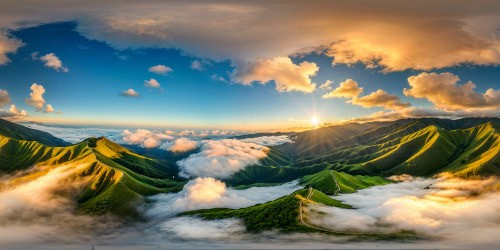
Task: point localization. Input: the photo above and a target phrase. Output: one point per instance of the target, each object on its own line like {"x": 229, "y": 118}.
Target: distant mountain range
{"x": 422, "y": 147}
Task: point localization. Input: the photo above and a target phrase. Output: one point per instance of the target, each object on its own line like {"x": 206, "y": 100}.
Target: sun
{"x": 315, "y": 121}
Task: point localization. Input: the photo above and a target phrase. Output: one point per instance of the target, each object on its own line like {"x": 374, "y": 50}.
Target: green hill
{"x": 422, "y": 147}
{"x": 19, "y": 132}
{"x": 114, "y": 178}
{"x": 332, "y": 182}
{"x": 281, "y": 214}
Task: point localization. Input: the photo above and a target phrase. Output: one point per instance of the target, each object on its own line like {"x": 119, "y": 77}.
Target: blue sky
{"x": 100, "y": 70}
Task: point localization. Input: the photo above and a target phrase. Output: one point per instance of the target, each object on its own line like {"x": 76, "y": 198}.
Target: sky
{"x": 250, "y": 65}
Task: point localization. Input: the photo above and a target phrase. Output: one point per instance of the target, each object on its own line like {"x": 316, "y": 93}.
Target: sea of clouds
{"x": 39, "y": 212}
{"x": 446, "y": 212}
{"x": 218, "y": 157}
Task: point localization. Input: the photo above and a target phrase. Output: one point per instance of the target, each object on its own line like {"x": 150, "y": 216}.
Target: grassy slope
{"x": 115, "y": 177}
{"x": 324, "y": 182}
{"x": 423, "y": 147}
{"x": 19, "y": 132}
{"x": 281, "y": 214}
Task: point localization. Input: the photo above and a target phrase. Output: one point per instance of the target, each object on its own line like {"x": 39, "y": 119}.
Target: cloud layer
{"x": 401, "y": 35}
{"x": 145, "y": 138}
{"x": 382, "y": 99}
{"x": 455, "y": 209}
{"x": 286, "y": 75}
{"x": 269, "y": 140}
{"x": 203, "y": 193}
{"x": 180, "y": 145}
{"x": 221, "y": 158}
{"x": 349, "y": 89}
{"x": 445, "y": 93}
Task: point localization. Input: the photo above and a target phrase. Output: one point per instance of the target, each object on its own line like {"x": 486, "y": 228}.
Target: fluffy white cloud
{"x": 4, "y": 98}
{"x": 130, "y": 93}
{"x": 190, "y": 228}
{"x": 347, "y": 89}
{"x": 152, "y": 83}
{"x": 203, "y": 193}
{"x": 52, "y": 61}
{"x": 433, "y": 207}
{"x": 145, "y": 138}
{"x": 286, "y": 75}
{"x": 221, "y": 158}
{"x": 380, "y": 98}
{"x": 160, "y": 69}
{"x": 37, "y": 196}
{"x": 350, "y": 89}
{"x": 36, "y": 96}
{"x": 49, "y": 109}
{"x": 445, "y": 93}
{"x": 401, "y": 34}
{"x": 8, "y": 45}
{"x": 13, "y": 113}
{"x": 180, "y": 145}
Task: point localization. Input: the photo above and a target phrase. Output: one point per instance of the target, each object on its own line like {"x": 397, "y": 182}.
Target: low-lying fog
{"x": 446, "y": 212}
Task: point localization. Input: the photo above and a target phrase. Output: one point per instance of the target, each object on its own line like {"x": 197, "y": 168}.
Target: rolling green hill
{"x": 281, "y": 214}
{"x": 19, "y": 132}
{"x": 113, "y": 178}
{"x": 422, "y": 147}
{"x": 332, "y": 182}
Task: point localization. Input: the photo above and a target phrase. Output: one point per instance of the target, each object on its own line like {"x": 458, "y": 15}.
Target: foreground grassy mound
{"x": 332, "y": 182}
{"x": 113, "y": 179}
{"x": 281, "y": 214}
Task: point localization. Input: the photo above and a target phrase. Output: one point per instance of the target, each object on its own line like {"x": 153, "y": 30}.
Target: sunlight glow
{"x": 315, "y": 121}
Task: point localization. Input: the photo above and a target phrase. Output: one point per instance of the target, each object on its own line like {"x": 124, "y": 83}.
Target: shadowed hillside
{"x": 19, "y": 132}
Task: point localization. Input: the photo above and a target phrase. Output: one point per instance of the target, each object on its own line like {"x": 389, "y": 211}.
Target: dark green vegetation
{"x": 113, "y": 177}
{"x": 281, "y": 214}
{"x": 19, "y": 132}
{"x": 345, "y": 183}
{"x": 423, "y": 147}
